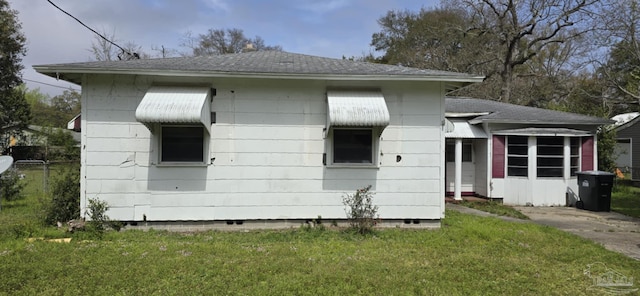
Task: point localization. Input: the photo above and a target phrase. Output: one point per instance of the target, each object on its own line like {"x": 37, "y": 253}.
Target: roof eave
{"x": 513, "y": 121}
{"x": 66, "y": 73}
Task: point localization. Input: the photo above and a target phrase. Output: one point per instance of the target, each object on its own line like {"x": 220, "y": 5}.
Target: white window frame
{"x": 205, "y": 146}
{"x": 375, "y": 149}
{"x": 559, "y": 156}
{"x": 508, "y": 156}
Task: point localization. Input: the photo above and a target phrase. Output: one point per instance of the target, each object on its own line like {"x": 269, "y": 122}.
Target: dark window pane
{"x": 518, "y": 161}
{"x": 518, "y": 140}
{"x": 575, "y": 161}
{"x": 550, "y": 161}
{"x": 182, "y": 144}
{"x": 517, "y": 171}
{"x": 352, "y": 146}
{"x": 467, "y": 152}
{"x": 575, "y": 146}
{"x": 517, "y": 150}
{"x": 549, "y": 150}
{"x": 550, "y": 172}
{"x": 551, "y": 141}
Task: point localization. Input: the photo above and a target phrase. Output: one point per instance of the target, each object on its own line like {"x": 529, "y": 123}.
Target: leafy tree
{"x": 432, "y": 39}
{"x": 64, "y": 198}
{"x": 54, "y": 112}
{"x": 606, "y": 149}
{"x": 61, "y": 145}
{"x": 10, "y": 186}
{"x": 223, "y": 41}
{"x": 14, "y": 111}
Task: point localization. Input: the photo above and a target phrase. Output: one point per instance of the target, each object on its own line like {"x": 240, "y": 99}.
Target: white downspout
{"x": 457, "y": 191}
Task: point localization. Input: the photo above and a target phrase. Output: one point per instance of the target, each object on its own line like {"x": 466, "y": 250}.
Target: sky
{"x": 328, "y": 28}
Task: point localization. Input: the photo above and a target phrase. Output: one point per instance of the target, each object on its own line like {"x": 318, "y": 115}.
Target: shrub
{"x": 11, "y": 186}
{"x": 99, "y": 221}
{"x": 361, "y": 212}
{"x": 64, "y": 198}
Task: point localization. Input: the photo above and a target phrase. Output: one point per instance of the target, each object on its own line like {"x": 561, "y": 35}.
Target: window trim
{"x": 375, "y": 149}
{"x": 205, "y": 146}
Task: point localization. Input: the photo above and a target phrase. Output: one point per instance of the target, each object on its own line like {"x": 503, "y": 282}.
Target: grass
{"x": 469, "y": 255}
{"x": 495, "y": 208}
{"x": 625, "y": 199}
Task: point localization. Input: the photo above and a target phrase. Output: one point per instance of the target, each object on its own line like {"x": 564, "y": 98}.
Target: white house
{"x": 260, "y": 137}
{"x": 522, "y": 155}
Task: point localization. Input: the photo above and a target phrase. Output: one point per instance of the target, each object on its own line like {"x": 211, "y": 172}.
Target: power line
{"x": 49, "y": 84}
{"x": 134, "y": 55}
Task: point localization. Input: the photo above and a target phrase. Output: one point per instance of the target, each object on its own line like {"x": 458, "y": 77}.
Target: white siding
{"x": 481, "y": 153}
{"x": 266, "y": 148}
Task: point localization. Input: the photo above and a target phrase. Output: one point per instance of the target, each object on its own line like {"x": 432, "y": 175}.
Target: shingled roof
{"x": 257, "y": 64}
{"x": 498, "y": 112}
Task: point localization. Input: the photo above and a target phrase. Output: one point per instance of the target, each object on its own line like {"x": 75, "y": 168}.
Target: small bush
{"x": 11, "y": 186}
{"x": 63, "y": 203}
{"x": 361, "y": 212}
{"x": 96, "y": 210}
{"x": 99, "y": 221}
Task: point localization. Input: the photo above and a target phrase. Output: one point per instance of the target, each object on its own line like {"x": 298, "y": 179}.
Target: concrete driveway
{"x": 614, "y": 231}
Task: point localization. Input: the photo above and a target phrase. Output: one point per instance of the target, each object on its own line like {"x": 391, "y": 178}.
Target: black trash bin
{"x": 595, "y": 190}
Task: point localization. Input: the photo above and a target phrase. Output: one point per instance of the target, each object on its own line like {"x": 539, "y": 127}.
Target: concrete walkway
{"x": 616, "y": 232}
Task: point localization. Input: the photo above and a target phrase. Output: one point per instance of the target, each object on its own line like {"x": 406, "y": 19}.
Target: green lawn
{"x": 495, "y": 208}
{"x": 626, "y": 200}
{"x": 469, "y": 255}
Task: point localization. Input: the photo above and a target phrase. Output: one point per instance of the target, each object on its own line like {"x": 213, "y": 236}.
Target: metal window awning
{"x": 541, "y": 132}
{"x": 171, "y": 104}
{"x": 357, "y": 109}
{"x": 462, "y": 129}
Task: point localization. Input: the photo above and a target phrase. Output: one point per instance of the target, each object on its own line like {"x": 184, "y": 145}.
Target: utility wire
{"x": 135, "y": 55}
{"x": 53, "y": 85}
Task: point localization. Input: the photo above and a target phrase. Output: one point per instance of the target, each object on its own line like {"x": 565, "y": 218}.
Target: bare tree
{"x": 618, "y": 61}
{"x": 223, "y": 41}
{"x": 524, "y": 28}
{"x": 106, "y": 49}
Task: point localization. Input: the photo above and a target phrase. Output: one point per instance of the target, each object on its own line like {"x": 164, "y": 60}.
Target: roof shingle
{"x": 504, "y": 112}
{"x": 258, "y": 62}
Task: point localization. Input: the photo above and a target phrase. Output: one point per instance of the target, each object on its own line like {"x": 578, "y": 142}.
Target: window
{"x": 575, "y": 155}
{"x": 517, "y": 156}
{"x": 467, "y": 151}
{"x": 352, "y": 146}
{"x": 550, "y": 158}
{"x": 184, "y": 144}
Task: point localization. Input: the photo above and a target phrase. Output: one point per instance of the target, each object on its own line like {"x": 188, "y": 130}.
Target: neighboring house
{"x": 260, "y": 136}
{"x": 628, "y": 143}
{"x": 522, "y": 155}
{"x": 30, "y": 142}
{"x": 74, "y": 123}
